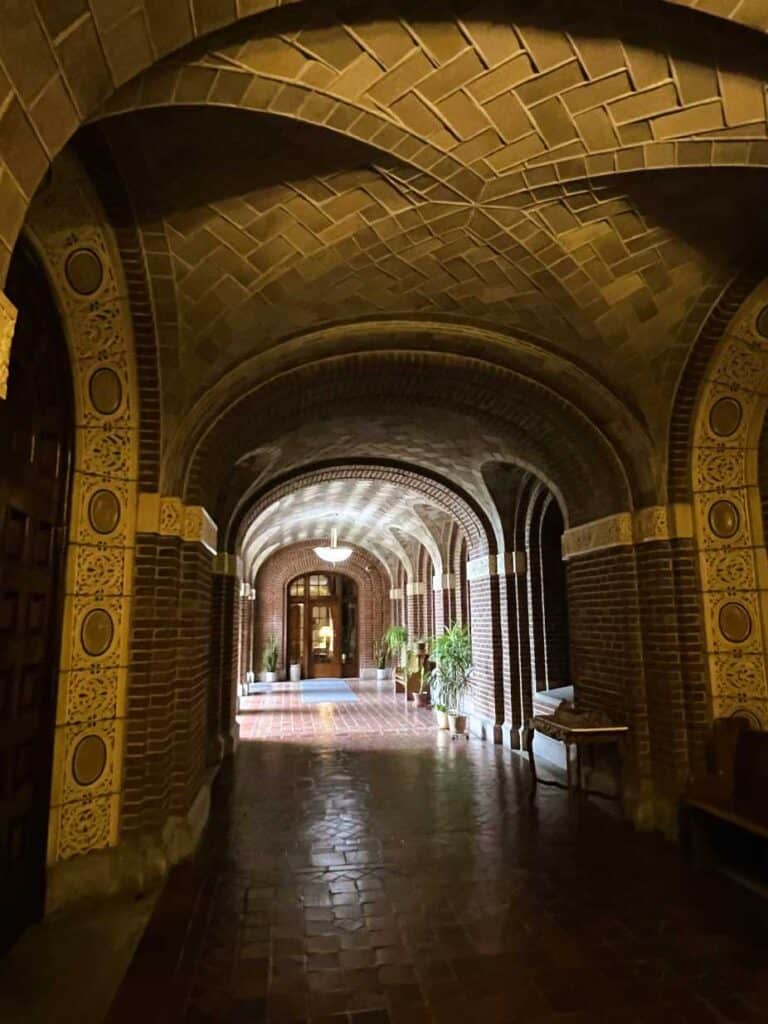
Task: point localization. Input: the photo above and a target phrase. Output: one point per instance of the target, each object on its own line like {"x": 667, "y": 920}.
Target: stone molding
{"x": 170, "y": 517}
{"x": 445, "y": 582}
{"x": 226, "y": 564}
{"x": 69, "y": 232}
{"x": 728, "y": 520}
{"x": 481, "y": 568}
{"x": 507, "y": 563}
{"x": 8, "y": 314}
{"x": 654, "y": 523}
{"x": 396, "y": 594}
{"x": 416, "y": 589}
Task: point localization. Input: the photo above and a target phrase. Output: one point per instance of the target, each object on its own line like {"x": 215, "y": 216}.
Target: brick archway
{"x": 279, "y": 569}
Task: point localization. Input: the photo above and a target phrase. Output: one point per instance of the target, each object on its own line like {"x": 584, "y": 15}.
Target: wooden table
{"x": 590, "y": 732}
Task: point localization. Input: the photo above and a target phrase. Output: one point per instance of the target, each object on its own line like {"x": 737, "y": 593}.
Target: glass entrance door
{"x": 325, "y": 656}
{"x": 322, "y": 625}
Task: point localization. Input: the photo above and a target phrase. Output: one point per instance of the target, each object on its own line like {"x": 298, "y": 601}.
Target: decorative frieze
{"x": 654, "y": 523}
{"x": 415, "y": 589}
{"x": 65, "y": 225}
{"x": 727, "y": 514}
{"x": 170, "y": 517}
{"x": 8, "y": 315}
{"x": 481, "y": 568}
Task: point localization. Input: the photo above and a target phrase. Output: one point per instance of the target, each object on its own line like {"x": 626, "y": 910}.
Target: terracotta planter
{"x": 442, "y": 719}
{"x": 457, "y": 724}
{"x": 422, "y": 699}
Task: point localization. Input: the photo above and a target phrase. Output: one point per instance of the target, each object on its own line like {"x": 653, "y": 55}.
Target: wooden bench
{"x": 733, "y": 791}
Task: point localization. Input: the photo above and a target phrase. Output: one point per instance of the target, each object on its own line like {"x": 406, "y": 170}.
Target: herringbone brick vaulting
{"x": 382, "y": 437}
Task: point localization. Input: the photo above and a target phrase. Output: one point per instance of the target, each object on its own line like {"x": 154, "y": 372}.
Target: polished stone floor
{"x": 281, "y": 714}
{"x": 405, "y": 879}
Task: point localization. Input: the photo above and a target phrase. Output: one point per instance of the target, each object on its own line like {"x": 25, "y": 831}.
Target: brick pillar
{"x": 607, "y": 655}
{"x": 415, "y": 592}
{"x": 487, "y": 647}
{"x": 154, "y": 641}
{"x": 518, "y": 697}
{"x": 226, "y": 625}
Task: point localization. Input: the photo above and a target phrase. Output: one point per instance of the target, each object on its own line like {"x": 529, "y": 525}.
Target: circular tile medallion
{"x": 724, "y": 519}
{"x": 84, "y": 271}
{"x": 762, "y": 321}
{"x": 735, "y": 622}
{"x": 105, "y": 390}
{"x": 89, "y": 760}
{"x": 725, "y": 417}
{"x": 96, "y": 632}
{"x": 104, "y": 511}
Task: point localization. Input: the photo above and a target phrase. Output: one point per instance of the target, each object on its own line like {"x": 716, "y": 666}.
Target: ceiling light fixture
{"x": 334, "y": 553}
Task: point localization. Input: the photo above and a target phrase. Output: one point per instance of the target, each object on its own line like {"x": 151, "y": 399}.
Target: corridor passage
{"x": 405, "y": 879}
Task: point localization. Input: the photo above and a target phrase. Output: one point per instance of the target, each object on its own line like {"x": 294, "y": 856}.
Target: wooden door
{"x": 35, "y": 447}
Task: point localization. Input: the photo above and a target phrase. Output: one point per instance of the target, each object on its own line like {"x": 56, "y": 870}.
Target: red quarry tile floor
{"x": 280, "y": 714}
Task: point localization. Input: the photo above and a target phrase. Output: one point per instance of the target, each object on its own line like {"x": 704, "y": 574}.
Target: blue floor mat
{"x": 326, "y": 691}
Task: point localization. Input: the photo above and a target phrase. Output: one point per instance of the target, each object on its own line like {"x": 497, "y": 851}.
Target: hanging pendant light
{"x": 333, "y": 553}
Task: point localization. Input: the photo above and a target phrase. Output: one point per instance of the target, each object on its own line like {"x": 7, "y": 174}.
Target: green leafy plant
{"x": 269, "y": 655}
{"x": 395, "y": 638}
{"x": 450, "y": 678}
{"x": 380, "y": 653}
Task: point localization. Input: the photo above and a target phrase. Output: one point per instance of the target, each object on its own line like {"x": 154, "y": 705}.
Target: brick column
{"x": 518, "y": 696}
{"x": 487, "y": 648}
{"x": 414, "y": 593}
{"x": 226, "y": 627}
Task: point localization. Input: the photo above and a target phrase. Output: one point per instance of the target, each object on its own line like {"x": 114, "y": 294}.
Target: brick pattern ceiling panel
{"x": 369, "y": 513}
{"x": 581, "y": 174}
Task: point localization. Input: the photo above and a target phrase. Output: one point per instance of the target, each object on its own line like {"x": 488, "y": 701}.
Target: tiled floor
{"x": 402, "y": 877}
{"x": 280, "y": 714}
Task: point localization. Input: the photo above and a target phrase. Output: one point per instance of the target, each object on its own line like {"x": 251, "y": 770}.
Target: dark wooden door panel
{"x": 34, "y": 480}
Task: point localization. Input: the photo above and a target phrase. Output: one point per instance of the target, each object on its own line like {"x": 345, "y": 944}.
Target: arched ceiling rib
{"x": 511, "y": 166}
{"x": 368, "y": 513}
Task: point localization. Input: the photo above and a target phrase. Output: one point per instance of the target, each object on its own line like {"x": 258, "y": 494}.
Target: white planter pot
{"x": 442, "y": 719}
{"x": 270, "y": 677}
{"x": 381, "y": 673}
{"x": 295, "y": 673}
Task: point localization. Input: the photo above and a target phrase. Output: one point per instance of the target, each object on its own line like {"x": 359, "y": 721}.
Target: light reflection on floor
{"x": 281, "y": 715}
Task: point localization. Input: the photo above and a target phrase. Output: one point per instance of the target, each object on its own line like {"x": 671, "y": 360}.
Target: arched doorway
{"x": 36, "y": 426}
{"x": 322, "y": 632}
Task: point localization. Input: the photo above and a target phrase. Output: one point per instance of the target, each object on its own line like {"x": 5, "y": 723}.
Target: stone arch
{"x": 284, "y": 565}
{"x": 67, "y": 228}
{"x": 727, "y": 516}
{"x": 472, "y": 518}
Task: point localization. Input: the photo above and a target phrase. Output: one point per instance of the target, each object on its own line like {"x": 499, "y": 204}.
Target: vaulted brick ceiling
{"x": 590, "y": 178}
{"x": 378, "y": 516}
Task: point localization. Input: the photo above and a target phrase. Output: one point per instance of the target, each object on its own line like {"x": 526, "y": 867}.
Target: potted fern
{"x": 452, "y": 655}
{"x": 269, "y": 659}
{"x": 380, "y": 654}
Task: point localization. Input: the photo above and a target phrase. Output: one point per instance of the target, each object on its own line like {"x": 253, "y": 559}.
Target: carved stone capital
{"x": 8, "y": 314}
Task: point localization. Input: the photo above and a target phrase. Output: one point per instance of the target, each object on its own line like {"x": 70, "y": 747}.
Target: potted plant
{"x": 452, "y": 655}
{"x": 395, "y": 638}
{"x": 422, "y": 697}
{"x": 295, "y": 672}
{"x": 380, "y": 654}
{"x": 269, "y": 659}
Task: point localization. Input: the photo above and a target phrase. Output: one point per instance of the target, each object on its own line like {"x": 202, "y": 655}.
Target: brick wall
{"x": 169, "y": 679}
{"x": 607, "y": 650}
{"x": 372, "y": 597}
{"x": 487, "y": 671}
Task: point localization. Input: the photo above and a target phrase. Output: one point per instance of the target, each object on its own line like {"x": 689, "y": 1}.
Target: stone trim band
{"x": 170, "y": 517}
{"x": 657, "y": 522}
